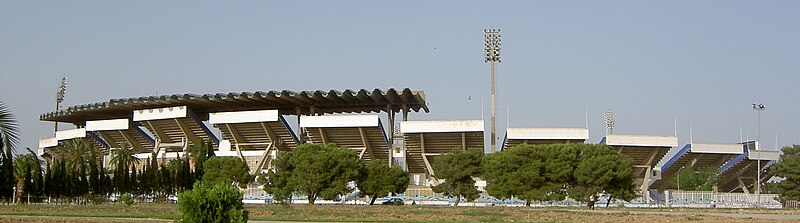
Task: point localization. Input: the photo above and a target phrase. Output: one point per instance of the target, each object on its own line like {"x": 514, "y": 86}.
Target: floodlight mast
{"x": 609, "y": 119}
{"x": 491, "y": 38}
{"x": 60, "y": 93}
{"x": 759, "y": 108}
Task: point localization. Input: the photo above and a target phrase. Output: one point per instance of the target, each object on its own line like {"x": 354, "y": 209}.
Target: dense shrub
{"x": 127, "y": 199}
{"x": 211, "y": 203}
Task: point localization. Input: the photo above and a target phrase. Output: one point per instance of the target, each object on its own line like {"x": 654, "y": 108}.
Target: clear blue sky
{"x": 650, "y": 61}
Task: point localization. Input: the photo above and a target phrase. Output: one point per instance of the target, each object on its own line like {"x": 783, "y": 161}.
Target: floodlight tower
{"x": 60, "y": 93}
{"x": 759, "y": 108}
{"x": 491, "y": 38}
{"x": 609, "y": 119}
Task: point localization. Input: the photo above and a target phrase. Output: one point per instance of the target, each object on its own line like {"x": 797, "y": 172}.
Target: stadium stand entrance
{"x": 695, "y": 155}
{"x": 363, "y": 133}
{"x": 427, "y": 139}
{"x": 739, "y": 174}
{"x": 644, "y": 151}
{"x": 254, "y": 135}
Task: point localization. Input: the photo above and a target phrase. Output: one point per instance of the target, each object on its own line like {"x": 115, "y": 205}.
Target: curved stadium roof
{"x": 287, "y": 102}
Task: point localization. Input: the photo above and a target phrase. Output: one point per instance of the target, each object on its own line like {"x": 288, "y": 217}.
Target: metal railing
{"x": 689, "y": 198}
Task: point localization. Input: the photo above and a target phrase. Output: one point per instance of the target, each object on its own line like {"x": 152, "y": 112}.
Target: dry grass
{"x": 148, "y": 212}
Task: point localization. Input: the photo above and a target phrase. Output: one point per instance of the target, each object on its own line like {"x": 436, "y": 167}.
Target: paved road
{"x": 717, "y": 214}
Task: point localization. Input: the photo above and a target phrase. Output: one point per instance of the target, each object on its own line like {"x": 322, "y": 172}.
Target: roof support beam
{"x": 234, "y": 134}
{"x": 424, "y": 157}
{"x": 106, "y": 138}
{"x": 649, "y": 163}
{"x": 128, "y": 137}
{"x": 464, "y": 141}
{"x": 188, "y": 132}
{"x": 276, "y": 142}
{"x": 262, "y": 160}
{"x": 162, "y": 137}
{"x": 323, "y": 136}
{"x": 365, "y": 141}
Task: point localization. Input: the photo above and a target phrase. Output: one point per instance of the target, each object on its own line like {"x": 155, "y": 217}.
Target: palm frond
{"x": 9, "y": 128}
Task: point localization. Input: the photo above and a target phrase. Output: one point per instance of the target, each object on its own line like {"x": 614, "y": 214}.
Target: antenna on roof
{"x": 586, "y": 117}
{"x": 508, "y": 118}
{"x": 675, "y": 128}
{"x": 741, "y": 139}
{"x": 777, "y": 148}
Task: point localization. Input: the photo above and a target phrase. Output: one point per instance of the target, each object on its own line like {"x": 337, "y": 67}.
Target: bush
{"x": 211, "y": 203}
{"x": 127, "y": 199}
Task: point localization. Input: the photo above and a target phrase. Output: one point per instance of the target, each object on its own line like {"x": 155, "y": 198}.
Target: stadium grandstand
{"x": 644, "y": 151}
{"x": 257, "y": 126}
{"x": 251, "y": 124}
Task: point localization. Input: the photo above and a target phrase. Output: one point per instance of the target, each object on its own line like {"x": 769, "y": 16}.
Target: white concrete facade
{"x": 160, "y": 113}
{"x": 763, "y": 155}
{"x": 333, "y": 121}
{"x": 243, "y": 117}
{"x": 548, "y": 133}
{"x": 441, "y": 126}
{"x": 108, "y": 125}
{"x": 717, "y": 148}
{"x": 641, "y": 140}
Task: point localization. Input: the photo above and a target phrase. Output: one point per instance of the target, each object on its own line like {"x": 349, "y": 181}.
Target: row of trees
{"x": 528, "y": 172}
{"x": 74, "y": 172}
{"x": 537, "y": 173}
{"x": 325, "y": 171}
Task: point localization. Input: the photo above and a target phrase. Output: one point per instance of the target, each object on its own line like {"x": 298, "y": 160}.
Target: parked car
{"x": 393, "y": 201}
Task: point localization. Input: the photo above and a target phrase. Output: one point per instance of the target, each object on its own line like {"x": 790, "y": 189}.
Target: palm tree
{"x": 9, "y": 139}
{"x": 76, "y": 153}
{"x": 124, "y": 155}
{"x": 9, "y": 129}
{"x": 25, "y": 168}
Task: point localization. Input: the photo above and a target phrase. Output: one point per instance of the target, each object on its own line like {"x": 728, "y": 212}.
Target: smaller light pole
{"x": 759, "y": 108}
{"x": 679, "y": 178}
{"x": 60, "y": 93}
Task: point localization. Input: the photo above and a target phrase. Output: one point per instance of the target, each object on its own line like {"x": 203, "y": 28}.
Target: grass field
{"x": 150, "y": 212}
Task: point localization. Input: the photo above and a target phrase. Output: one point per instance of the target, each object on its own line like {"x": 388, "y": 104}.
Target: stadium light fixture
{"x": 759, "y": 108}
{"x": 491, "y": 40}
{"x": 609, "y": 119}
{"x": 60, "y": 93}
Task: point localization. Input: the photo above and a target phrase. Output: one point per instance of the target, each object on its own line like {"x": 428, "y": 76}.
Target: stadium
{"x": 257, "y": 126}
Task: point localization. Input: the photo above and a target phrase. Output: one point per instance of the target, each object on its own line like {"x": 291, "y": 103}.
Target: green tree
{"x": 457, "y": 169}
{"x": 25, "y": 166}
{"x": 788, "y": 167}
{"x": 9, "y": 139}
{"x": 697, "y": 179}
{"x": 378, "y": 180}
{"x": 198, "y": 154}
{"x": 318, "y": 171}
{"x": 515, "y": 172}
{"x": 602, "y": 169}
{"x": 226, "y": 170}
{"x": 123, "y": 158}
{"x": 212, "y": 203}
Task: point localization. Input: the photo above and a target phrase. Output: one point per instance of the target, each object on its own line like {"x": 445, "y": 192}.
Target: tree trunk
{"x": 311, "y": 199}
{"x": 20, "y": 190}
{"x": 458, "y": 199}
{"x": 608, "y": 201}
{"x": 527, "y": 203}
{"x": 372, "y": 201}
